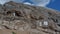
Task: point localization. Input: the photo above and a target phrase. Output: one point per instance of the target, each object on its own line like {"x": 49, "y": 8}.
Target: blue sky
{"x": 54, "y": 4}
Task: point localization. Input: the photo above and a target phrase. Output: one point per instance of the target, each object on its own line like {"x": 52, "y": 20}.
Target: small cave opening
{"x": 41, "y": 18}
{"x": 15, "y": 13}
{"x": 55, "y": 20}
{"x": 49, "y": 13}
{"x": 9, "y": 12}
{"x": 58, "y": 24}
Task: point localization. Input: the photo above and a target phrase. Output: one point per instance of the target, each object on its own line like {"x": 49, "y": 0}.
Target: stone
{"x": 22, "y": 18}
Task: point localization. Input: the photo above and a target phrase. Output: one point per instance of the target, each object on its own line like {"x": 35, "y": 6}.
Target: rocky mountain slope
{"x": 18, "y": 18}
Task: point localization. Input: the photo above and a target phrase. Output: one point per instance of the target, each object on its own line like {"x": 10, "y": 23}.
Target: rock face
{"x": 29, "y": 19}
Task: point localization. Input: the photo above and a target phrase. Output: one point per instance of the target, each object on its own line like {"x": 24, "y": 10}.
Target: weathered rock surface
{"x": 28, "y": 19}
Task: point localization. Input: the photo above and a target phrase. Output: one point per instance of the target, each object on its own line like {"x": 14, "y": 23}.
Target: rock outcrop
{"x": 29, "y": 19}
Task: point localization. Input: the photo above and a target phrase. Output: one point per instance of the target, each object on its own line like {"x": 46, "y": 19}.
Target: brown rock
{"x": 25, "y": 19}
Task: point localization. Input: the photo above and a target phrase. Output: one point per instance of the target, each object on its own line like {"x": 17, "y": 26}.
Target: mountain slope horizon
{"x": 25, "y": 19}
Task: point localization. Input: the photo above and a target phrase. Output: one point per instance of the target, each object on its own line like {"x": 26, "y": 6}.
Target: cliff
{"x": 19, "y": 18}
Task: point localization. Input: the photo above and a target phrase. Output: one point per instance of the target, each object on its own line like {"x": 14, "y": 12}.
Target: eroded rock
{"x": 35, "y": 20}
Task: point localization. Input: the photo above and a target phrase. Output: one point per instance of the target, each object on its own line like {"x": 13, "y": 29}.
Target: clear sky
{"x": 54, "y": 4}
